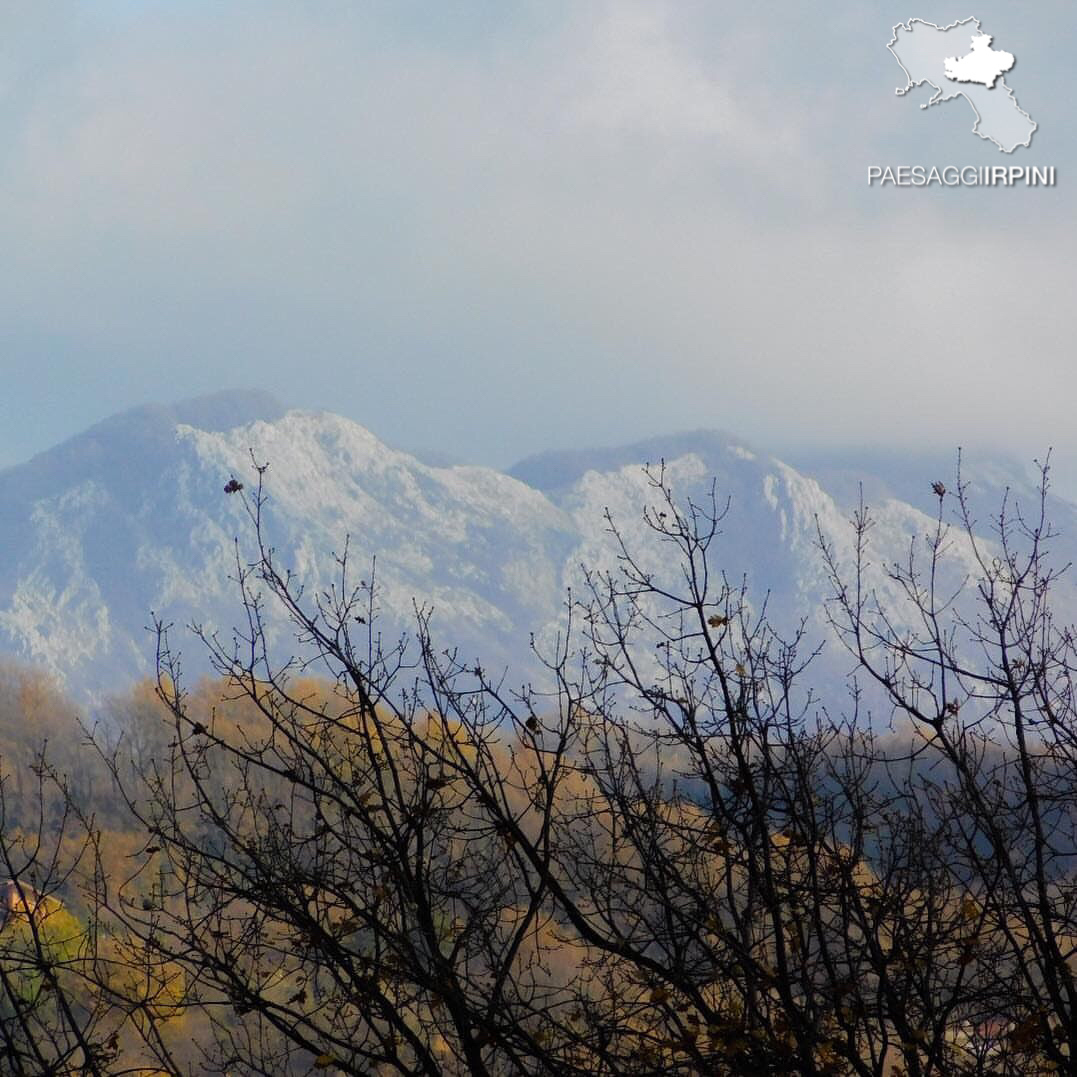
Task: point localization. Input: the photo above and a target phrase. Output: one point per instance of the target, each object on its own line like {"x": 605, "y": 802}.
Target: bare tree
{"x": 70, "y": 1001}
{"x": 984, "y": 675}
{"x": 376, "y": 856}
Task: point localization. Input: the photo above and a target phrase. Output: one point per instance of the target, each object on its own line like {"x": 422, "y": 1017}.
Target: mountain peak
{"x": 556, "y": 470}
{"x": 214, "y": 413}
{"x": 226, "y": 410}
{"x": 134, "y": 515}
{"x": 151, "y": 427}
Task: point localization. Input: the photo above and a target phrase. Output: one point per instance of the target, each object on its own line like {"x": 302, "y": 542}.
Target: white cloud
{"x": 595, "y": 219}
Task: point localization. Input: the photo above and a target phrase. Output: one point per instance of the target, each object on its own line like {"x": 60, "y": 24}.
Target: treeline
{"x": 670, "y": 859}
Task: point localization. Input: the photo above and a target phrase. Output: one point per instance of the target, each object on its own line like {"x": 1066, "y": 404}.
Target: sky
{"x": 491, "y": 228}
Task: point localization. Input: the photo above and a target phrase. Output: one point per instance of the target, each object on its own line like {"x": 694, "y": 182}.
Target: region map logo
{"x": 960, "y": 61}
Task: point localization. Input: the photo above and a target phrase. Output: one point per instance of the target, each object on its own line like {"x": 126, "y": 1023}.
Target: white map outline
{"x": 938, "y": 97}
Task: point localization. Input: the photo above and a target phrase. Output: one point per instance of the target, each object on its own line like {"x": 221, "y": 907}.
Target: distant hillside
{"x": 131, "y": 516}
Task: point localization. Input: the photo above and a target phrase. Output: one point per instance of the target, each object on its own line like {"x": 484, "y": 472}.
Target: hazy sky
{"x": 496, "y": 227}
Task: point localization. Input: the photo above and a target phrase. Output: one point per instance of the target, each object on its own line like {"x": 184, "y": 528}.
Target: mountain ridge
{"x": 131, "y": 516}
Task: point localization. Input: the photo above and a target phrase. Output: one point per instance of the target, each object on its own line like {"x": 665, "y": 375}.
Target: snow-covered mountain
{"x": 130, "y": 517}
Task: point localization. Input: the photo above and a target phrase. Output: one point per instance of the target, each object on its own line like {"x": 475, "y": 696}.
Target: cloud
{"x": 569, "y": 223}
{"x": 631, "y": 77}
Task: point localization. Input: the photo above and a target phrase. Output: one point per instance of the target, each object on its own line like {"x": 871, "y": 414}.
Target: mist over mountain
{"x": 130, "y": 517}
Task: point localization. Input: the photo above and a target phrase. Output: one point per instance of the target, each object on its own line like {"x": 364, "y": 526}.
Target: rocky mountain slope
{"x": 130, "y": 517}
